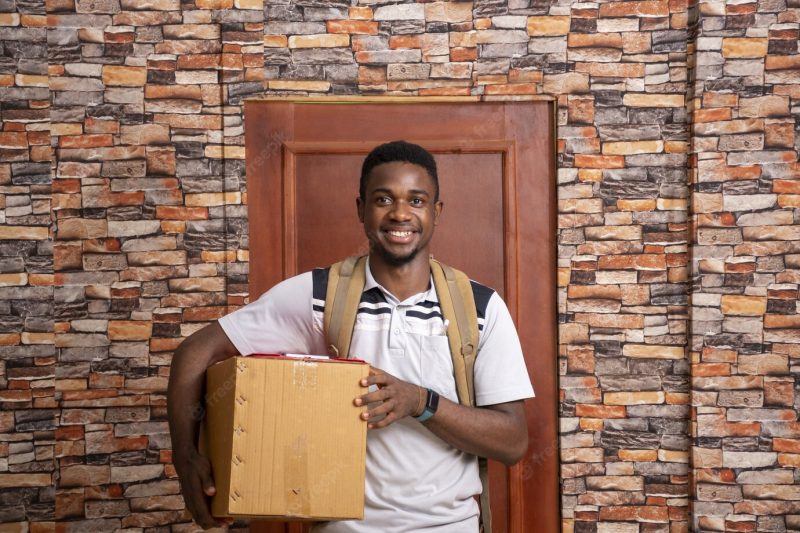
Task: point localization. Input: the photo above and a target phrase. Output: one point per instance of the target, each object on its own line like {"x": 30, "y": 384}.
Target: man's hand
{"x": 398, "y": 399}
{"x": 197, "y": 486}
{"x": 497, "y": 431}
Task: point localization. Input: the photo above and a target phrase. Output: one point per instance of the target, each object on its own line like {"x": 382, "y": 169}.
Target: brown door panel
{"x": 497, "y": 182}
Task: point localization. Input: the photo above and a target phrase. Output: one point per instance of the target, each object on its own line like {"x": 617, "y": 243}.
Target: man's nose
{"x": 401, "y": 211}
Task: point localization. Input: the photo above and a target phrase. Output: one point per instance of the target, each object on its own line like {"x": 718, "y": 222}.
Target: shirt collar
{"x": 371, "y": 283}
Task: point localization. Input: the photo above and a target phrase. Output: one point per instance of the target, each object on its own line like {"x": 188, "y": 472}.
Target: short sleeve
{"x": 500, "y": 372}
{"x": 280, "y": 321}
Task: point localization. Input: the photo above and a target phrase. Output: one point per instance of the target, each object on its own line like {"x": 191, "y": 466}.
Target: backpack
{"x": 346, "y": 281}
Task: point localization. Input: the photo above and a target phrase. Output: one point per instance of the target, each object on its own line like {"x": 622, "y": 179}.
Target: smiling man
{"x": 422, "y": 469}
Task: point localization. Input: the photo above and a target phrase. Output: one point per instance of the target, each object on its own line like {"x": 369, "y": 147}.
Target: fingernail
{"x": 357, "y": 401}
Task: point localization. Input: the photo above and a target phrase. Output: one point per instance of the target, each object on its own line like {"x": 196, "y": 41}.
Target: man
{"x": 421, "y": 474}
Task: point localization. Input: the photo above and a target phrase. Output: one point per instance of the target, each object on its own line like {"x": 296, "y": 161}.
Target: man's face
{"x": 399, "y": 211}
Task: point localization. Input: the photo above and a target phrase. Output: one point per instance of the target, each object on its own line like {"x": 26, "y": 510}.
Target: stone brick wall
{"x": 744, "y": 339}
{"x": 677, "y": 154}
{"x": 28, "y": 414}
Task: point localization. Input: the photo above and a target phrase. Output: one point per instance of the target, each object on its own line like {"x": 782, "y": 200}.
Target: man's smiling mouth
{"x": 395, "y": 233}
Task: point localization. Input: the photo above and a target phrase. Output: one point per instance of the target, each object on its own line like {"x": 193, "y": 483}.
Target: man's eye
{"x": 383, "y": 200}
{"x": 417, "y": 202}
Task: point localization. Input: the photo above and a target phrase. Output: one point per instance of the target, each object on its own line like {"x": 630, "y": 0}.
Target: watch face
{"x": 433, "y": 401}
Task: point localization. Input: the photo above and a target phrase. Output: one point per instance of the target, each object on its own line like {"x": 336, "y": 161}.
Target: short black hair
{"x": 399, "y": 151}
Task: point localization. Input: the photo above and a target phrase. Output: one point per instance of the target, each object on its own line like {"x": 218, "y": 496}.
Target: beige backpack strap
{"x": 458, "y": 308}
{"x": 346, "y": 281}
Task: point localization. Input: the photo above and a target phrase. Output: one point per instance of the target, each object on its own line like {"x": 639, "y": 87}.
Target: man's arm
{"x": 185, "y": 410}
{"x": 498, "y": 432}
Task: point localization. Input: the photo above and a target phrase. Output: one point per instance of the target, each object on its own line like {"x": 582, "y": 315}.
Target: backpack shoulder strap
{"x": 457, "y": 301}
{"x": 346, "y": 281}
{"x": 458, "y": 307}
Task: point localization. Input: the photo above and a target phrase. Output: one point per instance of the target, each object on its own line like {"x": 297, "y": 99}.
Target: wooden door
{"x": 497, "y": 180}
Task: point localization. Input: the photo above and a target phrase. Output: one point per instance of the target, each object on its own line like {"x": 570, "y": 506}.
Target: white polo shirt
{"x": 414, "y": 480}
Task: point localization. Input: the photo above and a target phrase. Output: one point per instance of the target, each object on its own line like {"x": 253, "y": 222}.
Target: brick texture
{"x": 28, "y": 406}
{"x": 123, "y": 229}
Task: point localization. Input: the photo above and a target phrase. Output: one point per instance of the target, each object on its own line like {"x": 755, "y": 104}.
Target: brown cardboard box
{"x": 285, "y": 439}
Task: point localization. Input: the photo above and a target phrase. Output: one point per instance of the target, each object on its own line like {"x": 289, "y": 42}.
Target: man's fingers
{"x": 377, "y": 396}
{"x": 206, "y": 480}
{"x": 383, "y": 409}
{"x": 387, "y": 420}
{"x": 199, "y": 509}
{"x": 199, "y": 486}
{"x": 376, "y": 377}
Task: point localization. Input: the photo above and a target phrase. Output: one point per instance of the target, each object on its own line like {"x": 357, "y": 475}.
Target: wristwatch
{"x": 431, "y": 405}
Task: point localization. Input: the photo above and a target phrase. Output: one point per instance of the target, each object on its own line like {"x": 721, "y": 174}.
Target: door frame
{"x": 276, "y": 155}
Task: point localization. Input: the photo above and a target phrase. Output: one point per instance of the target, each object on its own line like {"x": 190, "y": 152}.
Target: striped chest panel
{"x": 374, "y": 311}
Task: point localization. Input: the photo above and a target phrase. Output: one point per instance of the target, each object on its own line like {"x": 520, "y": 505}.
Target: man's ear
{"x": 437, "y": 210}
{"x": 360, "y": 209}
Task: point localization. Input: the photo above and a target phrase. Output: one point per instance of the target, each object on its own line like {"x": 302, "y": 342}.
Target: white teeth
{"x": 400, "y": 233}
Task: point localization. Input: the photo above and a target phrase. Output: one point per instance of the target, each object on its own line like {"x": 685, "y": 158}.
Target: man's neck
{"x": 403, "y": 281}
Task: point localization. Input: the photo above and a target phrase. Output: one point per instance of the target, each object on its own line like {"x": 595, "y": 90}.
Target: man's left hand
{"x": 397, "y": 399}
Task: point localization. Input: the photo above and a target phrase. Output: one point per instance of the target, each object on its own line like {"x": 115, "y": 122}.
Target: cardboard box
{"x": 284, "y": 438}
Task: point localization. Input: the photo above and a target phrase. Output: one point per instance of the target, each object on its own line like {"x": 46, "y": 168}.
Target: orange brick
{"x": 711, "y": 369}
{"x": 445, "y": 91}
{"x": 636, "y": 205}
{"x": 516, "y": 75}
{"x": 651, "y": 8}
{"x": 129, "y": 329}
{"x": 198, "y": 61}
{"x": 743, "y": 305}
{"x": 786, "y": 445}
{"x": 164, "y": 344}
{"x": 405, "y": 41}
{"x": 124, "y": 76}
{"x": 592, "y": 424}
{"x": 636, "y": 262}
{"x": 712, "y": 115}
{"x": 353, "y": 26}
{"x": 542, "y": 26}
{"x": 635, "y": 512}
{"x": 463, "y": 54}
{"x": 482, "y": 24}
{"x": 181, "y": 213}
{"x": 774, "y": 62}
{"x": 599, "y": 161}
{"x": 612, "y": 70}
{"x": 276, "y": 41}
{"x": 782, "y": 321}
{"x": 513, "y": 88}
{"x": 13, "y": 140}
{"x": 638, "y": 455}
{"x": 9, "y": 339}
{"x": 600, "y": 411}
{"x": 371, "y": 75}
{"x": 744, "y": 47}
{"x": 203, "y": 314}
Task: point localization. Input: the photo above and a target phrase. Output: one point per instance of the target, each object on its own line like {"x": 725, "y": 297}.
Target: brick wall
{"x": 677, "y": 126}
{"x": 743, "y": 345}
{"x": 28, "y": 414}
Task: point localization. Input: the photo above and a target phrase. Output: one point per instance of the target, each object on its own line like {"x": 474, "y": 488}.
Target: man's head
{"x": 399, "y": 202}
{"x": 398, "y": 151}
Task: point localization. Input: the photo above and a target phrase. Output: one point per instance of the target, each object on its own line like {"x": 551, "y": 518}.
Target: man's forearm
{"x": 184, "y": 407}
{"x": 498, "y": 432}
{"x": 187, "y": 381}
